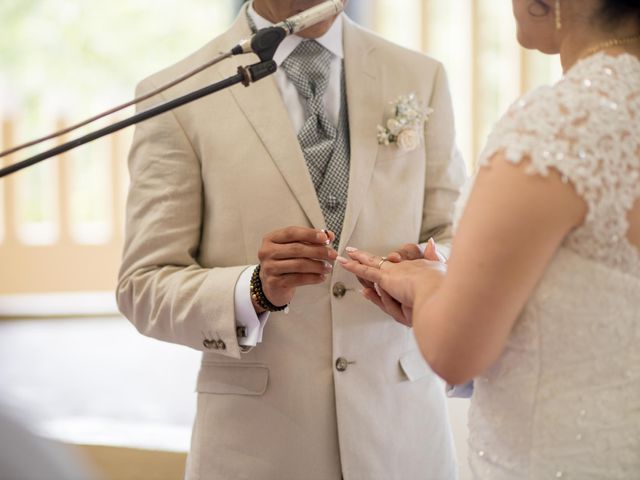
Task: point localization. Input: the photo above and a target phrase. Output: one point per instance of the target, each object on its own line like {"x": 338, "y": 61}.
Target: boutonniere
{"x": 405, "y": 127}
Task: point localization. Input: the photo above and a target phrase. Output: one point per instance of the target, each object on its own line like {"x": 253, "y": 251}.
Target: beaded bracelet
{"x": 257, "y": 294}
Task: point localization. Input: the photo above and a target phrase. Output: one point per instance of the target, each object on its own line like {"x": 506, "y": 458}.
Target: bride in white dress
{"x": 540, "y": 300}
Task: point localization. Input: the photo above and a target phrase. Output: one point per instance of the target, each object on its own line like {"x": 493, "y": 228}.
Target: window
{"x": 66, "y": 60}
{"x": 61, "y": 63}
{"x": 476, "y": 41}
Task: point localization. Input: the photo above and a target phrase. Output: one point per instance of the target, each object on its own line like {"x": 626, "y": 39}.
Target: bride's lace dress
{"x": 563, "y": 400}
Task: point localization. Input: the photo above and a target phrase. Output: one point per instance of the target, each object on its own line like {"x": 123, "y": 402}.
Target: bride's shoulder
{"x": 598, "y": 98}
{"x": 596, "y": 84}
{"x": 599, "y": 87}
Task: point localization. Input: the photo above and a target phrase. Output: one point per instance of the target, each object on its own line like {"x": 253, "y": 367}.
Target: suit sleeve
{"x": 445, "y": 172}
{"x": 161, "y": 288}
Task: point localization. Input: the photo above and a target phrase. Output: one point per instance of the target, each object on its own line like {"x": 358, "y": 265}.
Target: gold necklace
{"x": 614, "y": 42}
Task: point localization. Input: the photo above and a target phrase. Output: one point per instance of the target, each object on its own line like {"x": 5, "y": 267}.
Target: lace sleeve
{"x": 587, "y": 127}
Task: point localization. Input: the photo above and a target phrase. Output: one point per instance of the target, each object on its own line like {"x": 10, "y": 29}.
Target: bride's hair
{"x": 611, "y": 12}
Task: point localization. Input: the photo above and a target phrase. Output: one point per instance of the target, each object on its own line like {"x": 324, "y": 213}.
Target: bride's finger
{"x": 371, "y": 295}
{"x": 360, "y": 270}
{"x": 366, "y": 258}
{"x": 394, "y": 308}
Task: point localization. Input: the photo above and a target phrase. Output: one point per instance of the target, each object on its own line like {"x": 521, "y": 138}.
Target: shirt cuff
{"x": 441, "y": 250}
{"x": 249, "y": 324}
{"x": 460, "y": 391}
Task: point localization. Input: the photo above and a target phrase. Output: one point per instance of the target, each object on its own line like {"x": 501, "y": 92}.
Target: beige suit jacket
{"x": 208, "y": 180}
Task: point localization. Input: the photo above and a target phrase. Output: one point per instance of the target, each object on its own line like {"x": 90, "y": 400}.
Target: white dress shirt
{"x": 296, "y": 106}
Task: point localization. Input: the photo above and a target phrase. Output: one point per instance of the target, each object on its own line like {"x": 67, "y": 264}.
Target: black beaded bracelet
{"x": 257, "y": 294}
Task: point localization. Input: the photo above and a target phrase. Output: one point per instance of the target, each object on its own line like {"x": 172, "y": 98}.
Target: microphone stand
{"x": 264, "y": 44}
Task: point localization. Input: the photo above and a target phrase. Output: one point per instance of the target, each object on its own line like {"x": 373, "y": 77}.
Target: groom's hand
{"x": 292, "y": 257}
{"x": 431, "y": 252}
{"x": 408, "y": 251}
{"x": 411, "y": 251}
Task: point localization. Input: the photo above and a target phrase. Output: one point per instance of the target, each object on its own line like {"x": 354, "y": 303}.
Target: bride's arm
{"x": 513, "y": 224}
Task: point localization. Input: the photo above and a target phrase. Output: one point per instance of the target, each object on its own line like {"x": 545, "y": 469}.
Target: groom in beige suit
{"x": 329, "y": 388}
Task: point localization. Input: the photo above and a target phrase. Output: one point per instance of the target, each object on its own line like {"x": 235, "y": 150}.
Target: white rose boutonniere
{"x": 405, "y": 128}
{"x": 408, "y": 139}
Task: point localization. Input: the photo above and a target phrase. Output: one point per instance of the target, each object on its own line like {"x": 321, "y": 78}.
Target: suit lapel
{"x": 366, "y": 108}
{"x": 262, "y": 104}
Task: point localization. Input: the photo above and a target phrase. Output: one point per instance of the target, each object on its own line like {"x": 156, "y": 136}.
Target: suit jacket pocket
{"x": 233, "y": 379}
{"x": 414, "y": 366}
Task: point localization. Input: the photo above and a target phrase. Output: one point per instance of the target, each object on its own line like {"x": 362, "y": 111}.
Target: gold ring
{"x": 384, "y": 259}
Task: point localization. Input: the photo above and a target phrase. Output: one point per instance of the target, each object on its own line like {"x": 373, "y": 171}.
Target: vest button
{"x": 342, "y": 364}
{"x": 339, "y": 290}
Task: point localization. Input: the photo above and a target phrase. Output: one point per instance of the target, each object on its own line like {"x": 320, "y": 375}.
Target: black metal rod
{"x": 152, "y": 112}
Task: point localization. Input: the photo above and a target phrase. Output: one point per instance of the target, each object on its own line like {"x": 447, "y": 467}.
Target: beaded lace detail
{"x": 563, "y": 399}
{"x": 587, "y": 127}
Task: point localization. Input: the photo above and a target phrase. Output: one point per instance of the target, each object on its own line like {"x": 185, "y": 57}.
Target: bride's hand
{"x": 400, "y": 313}
{"x": 372, "y": 292}
{"x": 400, "y": 281}
{"x": 408, "y": 251}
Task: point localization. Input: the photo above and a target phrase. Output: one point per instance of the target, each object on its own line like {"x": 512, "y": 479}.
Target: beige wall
{"x": 63, "y": 264}
{"x": 112, "y": 463}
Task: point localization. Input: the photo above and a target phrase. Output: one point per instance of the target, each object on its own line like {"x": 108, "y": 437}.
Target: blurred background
{"x": 69, "y": 364}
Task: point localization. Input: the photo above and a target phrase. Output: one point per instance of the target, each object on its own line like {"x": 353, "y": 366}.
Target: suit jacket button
{"x": 342, "y": 364}
{"x": 221, "y": 345}
{"x": 339, "y": 290}
{"x": 209, "y": 344}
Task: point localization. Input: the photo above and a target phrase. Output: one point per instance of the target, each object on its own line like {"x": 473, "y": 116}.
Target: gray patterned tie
{"x": 308, "y": 69}
{"x": 325, "y": 147}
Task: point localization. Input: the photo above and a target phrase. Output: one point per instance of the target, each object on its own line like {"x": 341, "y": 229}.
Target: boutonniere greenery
{"x": 405, "y": 126}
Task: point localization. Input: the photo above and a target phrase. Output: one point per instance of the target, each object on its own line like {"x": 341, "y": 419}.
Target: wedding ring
{"x": 384, "y": 259}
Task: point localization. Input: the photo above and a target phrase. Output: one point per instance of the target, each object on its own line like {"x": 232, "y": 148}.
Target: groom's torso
{"x": 335, "y": 388}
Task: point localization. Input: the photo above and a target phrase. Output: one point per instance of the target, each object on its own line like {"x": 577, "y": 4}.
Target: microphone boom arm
{"x": 263, "y": 43}
{"x": 245, "y": 75}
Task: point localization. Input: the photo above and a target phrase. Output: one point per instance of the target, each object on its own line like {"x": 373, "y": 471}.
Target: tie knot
{"x": 308, "y": 68}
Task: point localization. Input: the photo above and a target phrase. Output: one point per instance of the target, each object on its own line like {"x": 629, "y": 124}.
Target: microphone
{"x": 270, "y": 38}
{"x": 263, "y": 43}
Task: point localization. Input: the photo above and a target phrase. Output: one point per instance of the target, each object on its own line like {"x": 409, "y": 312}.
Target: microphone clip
{"x": 257, "y": 71}
{"x": 264, "y": 43}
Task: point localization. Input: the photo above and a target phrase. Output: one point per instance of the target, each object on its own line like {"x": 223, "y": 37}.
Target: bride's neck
{"x": 579, "y": 40}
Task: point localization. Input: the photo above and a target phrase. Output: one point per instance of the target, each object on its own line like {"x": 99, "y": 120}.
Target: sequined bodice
{"x": 563, "y": 399}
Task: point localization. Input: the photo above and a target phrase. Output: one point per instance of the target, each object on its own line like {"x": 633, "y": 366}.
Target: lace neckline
{"x": 625, "y": 59}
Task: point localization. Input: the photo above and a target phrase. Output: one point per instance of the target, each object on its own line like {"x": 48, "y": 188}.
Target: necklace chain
{"x": 614, "y": 42}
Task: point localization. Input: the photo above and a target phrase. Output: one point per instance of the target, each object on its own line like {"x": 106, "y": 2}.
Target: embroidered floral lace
{"x": 563, "y": 400}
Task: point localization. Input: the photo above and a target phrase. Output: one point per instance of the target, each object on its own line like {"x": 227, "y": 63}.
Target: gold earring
{"x": 558, "y": 15}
